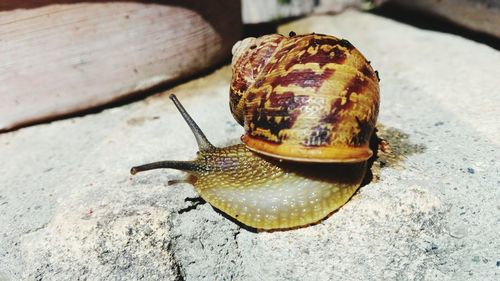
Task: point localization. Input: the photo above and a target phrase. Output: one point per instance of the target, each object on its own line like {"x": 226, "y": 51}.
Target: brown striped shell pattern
{"x": 309, "y": 105}
{"x": 310, "y": 98}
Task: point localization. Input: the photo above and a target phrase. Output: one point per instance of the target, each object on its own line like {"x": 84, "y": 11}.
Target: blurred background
{"x": 65, "y": 58}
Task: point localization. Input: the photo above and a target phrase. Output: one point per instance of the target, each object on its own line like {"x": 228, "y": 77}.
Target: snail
{"x": 308, "y": 104}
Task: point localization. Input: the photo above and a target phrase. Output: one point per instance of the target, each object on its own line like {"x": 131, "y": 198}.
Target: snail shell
{"x": 312, "y": 99}
{"x": 308, "y": 98}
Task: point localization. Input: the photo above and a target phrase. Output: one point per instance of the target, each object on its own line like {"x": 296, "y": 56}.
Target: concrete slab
{"x": 70, "y": 210}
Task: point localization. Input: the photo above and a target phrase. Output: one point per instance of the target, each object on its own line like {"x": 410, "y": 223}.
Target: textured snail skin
{"x": 268, "y": 194}
{"x": 308, "y": 98}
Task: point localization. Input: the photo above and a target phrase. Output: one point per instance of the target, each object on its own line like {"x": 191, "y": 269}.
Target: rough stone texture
{"x": 259, "y": 11}
{"x": 70, "y": 210}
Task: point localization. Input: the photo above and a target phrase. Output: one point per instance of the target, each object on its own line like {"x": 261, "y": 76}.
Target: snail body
{"x": 288, "y": 172}
{"x": 267, "y": 194}
{"x": 264, "y": 192}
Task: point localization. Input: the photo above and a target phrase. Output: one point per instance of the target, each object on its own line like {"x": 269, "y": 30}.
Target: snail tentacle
{"x": 187, "y": 166}
{"x": 201, "y": 139}
{"x": 178, "y": 165}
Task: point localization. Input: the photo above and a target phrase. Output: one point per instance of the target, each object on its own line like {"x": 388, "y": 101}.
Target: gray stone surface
{"x": 70, "y": 211}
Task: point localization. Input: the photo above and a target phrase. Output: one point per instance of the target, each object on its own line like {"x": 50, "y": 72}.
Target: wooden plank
{"x": 62, "y": 58}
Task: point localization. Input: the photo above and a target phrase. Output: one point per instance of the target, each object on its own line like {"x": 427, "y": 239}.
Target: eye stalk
{"x": 201, "y": 139}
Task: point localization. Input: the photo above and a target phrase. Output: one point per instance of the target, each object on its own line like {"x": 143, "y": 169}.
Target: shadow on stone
{"x": 390, "y": 147}
{"x": 195, "y": 202}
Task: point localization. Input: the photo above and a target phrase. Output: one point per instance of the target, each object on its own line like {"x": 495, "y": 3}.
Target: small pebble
{"x": 148, "y": 231}
{"x": 130, "y": 231}
{"x": 470, "y": 171}
{"x": 457, "y": 232}
{"x": 432, "y": 247}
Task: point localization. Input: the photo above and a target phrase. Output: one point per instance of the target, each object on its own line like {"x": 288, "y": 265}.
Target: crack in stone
{"x": 29, "y": 231}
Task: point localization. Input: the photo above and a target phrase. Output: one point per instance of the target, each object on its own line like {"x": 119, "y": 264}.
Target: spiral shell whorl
{"x": 311, "y": 98}
{"x": 250, "y": 55}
